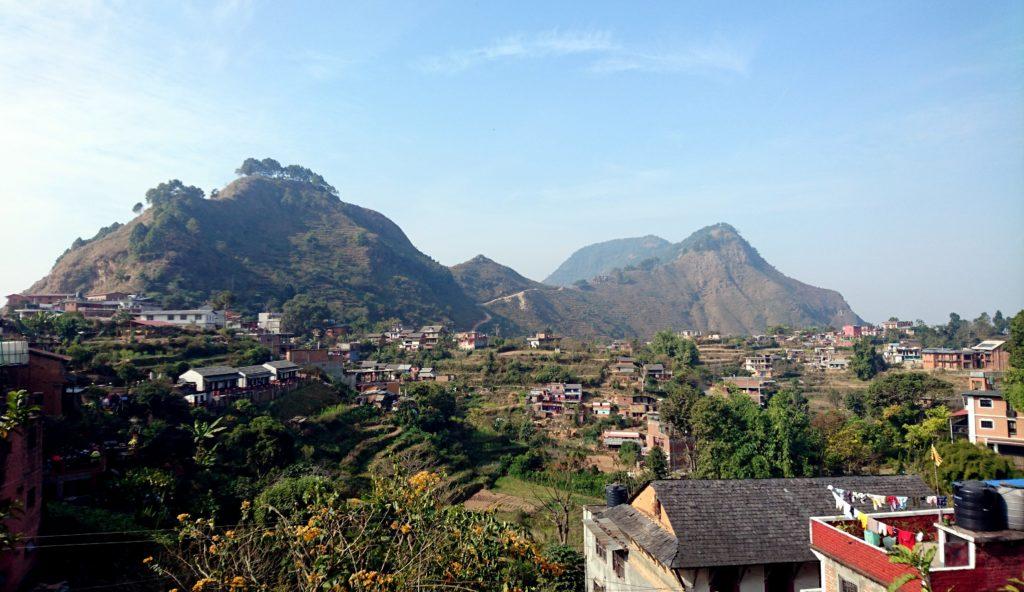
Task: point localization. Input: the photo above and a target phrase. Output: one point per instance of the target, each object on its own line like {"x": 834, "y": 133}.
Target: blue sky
{"x": 873, "y": 148}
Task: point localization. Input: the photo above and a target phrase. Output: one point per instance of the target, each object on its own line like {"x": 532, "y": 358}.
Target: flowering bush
{"x": 400, "y": 537}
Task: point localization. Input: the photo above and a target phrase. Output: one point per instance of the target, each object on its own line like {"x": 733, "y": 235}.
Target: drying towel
{"x": 905, "y": 538}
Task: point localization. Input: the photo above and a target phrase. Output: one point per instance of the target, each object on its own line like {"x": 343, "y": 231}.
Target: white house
{"x": 269, "y": 321}
{"x": 203, "y": 318}
{"x": 282, "y": 370}
{"x": 210, "y": 378}
{"x": 253, "y": 376}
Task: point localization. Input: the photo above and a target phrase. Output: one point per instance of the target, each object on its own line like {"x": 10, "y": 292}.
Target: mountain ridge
{"x": 281, "y": 234}
{"x": 712, "y": 280}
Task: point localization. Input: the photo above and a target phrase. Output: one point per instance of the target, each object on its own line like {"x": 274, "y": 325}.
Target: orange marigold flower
{"x": 148, "y": 560}
{"x": 182, "y": 517}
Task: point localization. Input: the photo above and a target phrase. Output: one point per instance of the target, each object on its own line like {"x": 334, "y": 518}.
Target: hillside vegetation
{"x": 266, "y": 237}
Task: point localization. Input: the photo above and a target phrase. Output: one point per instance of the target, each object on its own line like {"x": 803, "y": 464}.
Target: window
{"x": 985, "y": 403}
{"x": 988, "y": 424}
{"x": 600, "y": 551}
{"x": 846, "y": 585}
{"x": 619, "y": 558}
{"x": 1011, "y": 427}
{"x": 183, "y": 317}
{"x": 598, "y": 587}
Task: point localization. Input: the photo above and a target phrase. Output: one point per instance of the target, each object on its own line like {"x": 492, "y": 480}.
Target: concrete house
{"x": 431, "y": 336}
{"x": 210, "y": 378}
{"x": 282, "y": 370}
{"x": 202, "y": 318}
{"x": 697, "y": 535}
{"x": 253, "y": 376}
{"x": 992, "y": 356}
{"x": 471, "y": 340}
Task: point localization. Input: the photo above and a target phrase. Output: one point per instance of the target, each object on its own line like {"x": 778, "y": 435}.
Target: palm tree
{"x": 202, "y": 431}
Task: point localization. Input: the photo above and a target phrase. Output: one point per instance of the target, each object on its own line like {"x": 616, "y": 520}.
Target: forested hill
{"x": 274, "y": 233}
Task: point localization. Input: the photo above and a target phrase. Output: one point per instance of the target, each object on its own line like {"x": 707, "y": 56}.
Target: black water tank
{"x": 615, "y": 495}
{"x": 978, "y": 506}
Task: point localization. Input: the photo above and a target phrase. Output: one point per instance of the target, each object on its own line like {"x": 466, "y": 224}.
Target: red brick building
{"x": 965, "y": 559}
{"x": 42, "y": 374}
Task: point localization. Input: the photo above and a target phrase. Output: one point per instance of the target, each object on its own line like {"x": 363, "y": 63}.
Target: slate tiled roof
{"x": 747, "y": 521}
{"x": 209, "y": 371}
{"x": 281, "y": 365}
{"x": 253, "y": 371}
{"x": 651, "y": 537}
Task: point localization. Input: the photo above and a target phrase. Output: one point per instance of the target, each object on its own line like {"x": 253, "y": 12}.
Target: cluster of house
{"x": 626, "y": 371}
{"x": 426, "y": 338}
{"x": 210, "y": 383}
{"x": 380, "y": 384}
{"x": 557, "y": 399}
{"x": 800, "y": 535}
{"x": 657, "y": 435}
{"x": 100, "y": 305}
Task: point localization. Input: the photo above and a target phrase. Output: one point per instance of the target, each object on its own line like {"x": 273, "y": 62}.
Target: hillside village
{"x": 598, "y": 449}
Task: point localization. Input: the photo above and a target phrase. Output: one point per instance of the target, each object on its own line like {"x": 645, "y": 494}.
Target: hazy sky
{"x": 873, "y": 148}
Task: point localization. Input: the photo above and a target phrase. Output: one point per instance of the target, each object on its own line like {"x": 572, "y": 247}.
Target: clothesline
{"x": 895, "y": 502}
{"x": 845, "y": 499}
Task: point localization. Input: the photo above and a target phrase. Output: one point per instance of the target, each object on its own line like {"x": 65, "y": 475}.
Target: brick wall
{"x": 864, "y": 558}
{"x": 995, "y": 564}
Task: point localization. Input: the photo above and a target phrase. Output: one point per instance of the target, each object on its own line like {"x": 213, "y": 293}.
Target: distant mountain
{"x": 601, "y": 258}
{"x": 483, "y": 279}
{"x": 714, "y": 279}
{"x": 272, "y": 234}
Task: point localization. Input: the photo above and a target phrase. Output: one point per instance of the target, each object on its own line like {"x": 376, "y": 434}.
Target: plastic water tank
{"x": 977, "y": 506}
{"x": 615, "y": 495}
{"x": 1013, "y": 499}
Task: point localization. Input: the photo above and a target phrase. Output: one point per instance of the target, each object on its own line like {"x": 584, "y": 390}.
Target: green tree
{"x": 259, "y": 445}
{"x": 302, "y": 314}
{"x": 963, "y": 461}
{"x": 434, "y": 407}
{"x": 137, "y": 208}
{"x": 911, "y": 389}
{"x": 223, "y": 300}
{"x": 657, "y": 463}
{"x": 629, "y": 453}
{"x": 866, "y": 361}
{"x": 793, "y": 446}
{"x": 999, "y": 322}
{"x": 683, "y": 351}
{"x": 1013, "y": 380}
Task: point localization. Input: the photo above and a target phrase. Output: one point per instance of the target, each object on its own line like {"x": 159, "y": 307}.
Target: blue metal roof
{"x": 1012, "y": 482}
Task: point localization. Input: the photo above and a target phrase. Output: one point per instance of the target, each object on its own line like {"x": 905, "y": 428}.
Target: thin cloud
{"x": 608, "y": 56}
{"x": 547, "y": 44}
{"x": 712, "y": 57}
